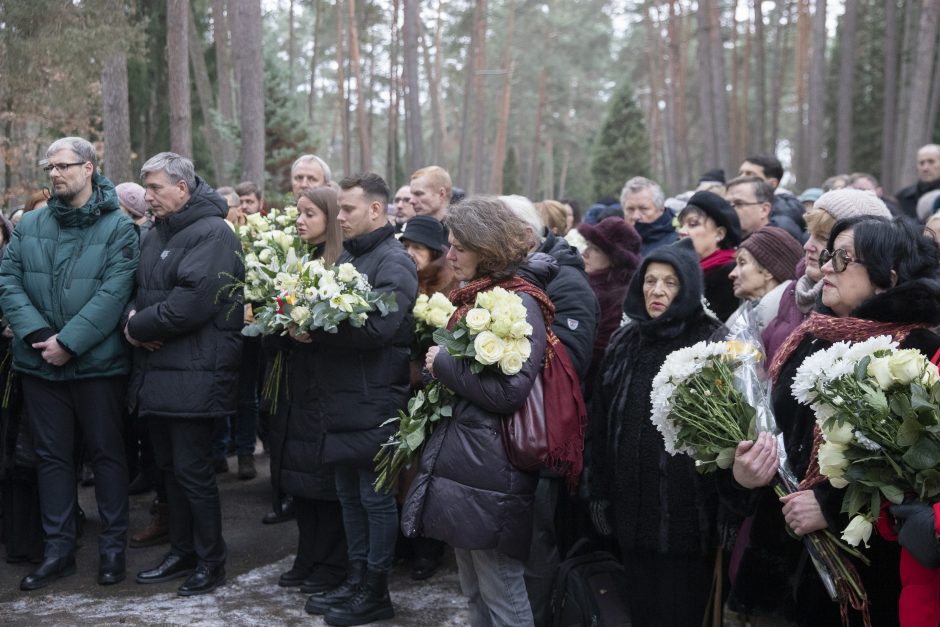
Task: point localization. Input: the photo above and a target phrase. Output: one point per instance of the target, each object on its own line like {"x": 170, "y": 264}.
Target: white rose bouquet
{"x": 877, "y": 408}
{"x": 493, "y": 334}
{"x": 431, "y": 313}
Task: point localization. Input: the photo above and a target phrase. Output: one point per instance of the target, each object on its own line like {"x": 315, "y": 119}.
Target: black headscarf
{"x": 686, "y": 306}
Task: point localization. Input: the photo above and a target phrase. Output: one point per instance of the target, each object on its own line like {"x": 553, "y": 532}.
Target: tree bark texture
{"x": 502, "y": 125}
{"x": 919, "y": 128}
{"x": 475, "y": 185}
{"x": 116, "y": 118}
{"x": 204, "y": 92}
{"x": 177, "y": 43}
{"x": 817, "y": 94}
{"x": 355, "y": 61}
{"x": 223, "y": 72}
{"x": 413, "y": 128}
{"x": 249, "y": 73}
{"x": 846, "y": 87}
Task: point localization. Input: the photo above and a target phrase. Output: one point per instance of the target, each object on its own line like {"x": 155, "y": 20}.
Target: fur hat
{"x": 775, "y": 250}
{"x": 849, "y": 203}
{"x": 617, "y": 239}
{"x": 131, "y": 196}
{"x": 721, "y": 211}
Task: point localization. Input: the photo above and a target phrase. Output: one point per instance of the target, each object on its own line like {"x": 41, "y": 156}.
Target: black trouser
{"x": 181, "y": 448}
{"x": 55, "y": 408}
{"x": 321, "y": 540}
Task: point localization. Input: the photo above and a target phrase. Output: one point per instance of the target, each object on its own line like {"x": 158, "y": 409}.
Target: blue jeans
{"x": 495, "y": 587}
{"x": 370, "y": 518}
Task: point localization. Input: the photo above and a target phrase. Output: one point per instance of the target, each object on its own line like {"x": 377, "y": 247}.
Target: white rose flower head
{"x": 520, "y": 329}
{"x": 906, "y": 365}
{"x": 438, "y": 318}
{"x": 489, "y": 348}
{"x": 300, "y": 314}
{"x": 840, "y": 434}
{"x": 477, "y": 319}
{"x": 880, "y": 369}
{"x": 857, "y": 531}
{"x": 347, "y": 273}
{"x": 832, "y": 459}
{"x": 511, "y": 363}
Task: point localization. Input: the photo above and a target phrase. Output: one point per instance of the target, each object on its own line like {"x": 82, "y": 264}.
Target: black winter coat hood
{"x": 684, "y": 307}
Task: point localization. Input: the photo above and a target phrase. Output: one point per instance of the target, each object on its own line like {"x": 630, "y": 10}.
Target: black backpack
{"x": 590, "y": 590}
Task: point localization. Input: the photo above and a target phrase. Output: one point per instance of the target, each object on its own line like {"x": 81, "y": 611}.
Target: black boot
{"x": 370, "y": 604}
{"x": 322, "y": 602}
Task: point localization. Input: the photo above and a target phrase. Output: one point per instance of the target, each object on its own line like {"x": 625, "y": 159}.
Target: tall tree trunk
{"x": 116, "y": 117}
{"x": 919, "y": 128}
{"x": 762, "y": 142}
{"x": 659, "y": 92}
{"x": 563, "y": 174}
{"x": 291, "y": 53}
{"x": 704, "y": 80}
{"x": 846, "y": 87}
{"x": 804, "y": 28}
{"x": 933, "y": 108}
{"x": 677, "y": 62}
{"x": 365, "y": 150}
{"x": 440, "y": 123}
{"x": 249, "y": 72}
{"x": 502, "y": 126}
{"x": 548, "y": 182}
{"x": 719, "y": 85}
{"x": 437, "y": 145}
{"x": 889, "y": 94}
{"x": 342, "y": 98}
{"x": 817, "y": 94}
{"x": 479, "y": 97}
{"x": 781, "y": 56}
{"x": 530, "y": 179}
{"x": 391, "y": 144}
{"x": 909, "y": 42}
{"x": 312, "y": 97}
{"x": 413, "y": 129}
{"x": 223, "y": 72}
{"x": 177, "y": 43}
{"x": 204, "y": 92}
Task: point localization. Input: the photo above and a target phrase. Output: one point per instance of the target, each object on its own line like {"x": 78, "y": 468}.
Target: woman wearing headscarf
{"x": 658, "y": 508}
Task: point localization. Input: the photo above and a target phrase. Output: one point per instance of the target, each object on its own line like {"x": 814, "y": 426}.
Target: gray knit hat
{"x": 849, "y": 203}
{"x": 131, "y": 196}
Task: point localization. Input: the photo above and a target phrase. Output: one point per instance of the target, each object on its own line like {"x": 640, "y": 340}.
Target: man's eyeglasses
{"x": 61, "y": 167}
{"x": 839, "y": 258}
{"x": 740, "y": 203}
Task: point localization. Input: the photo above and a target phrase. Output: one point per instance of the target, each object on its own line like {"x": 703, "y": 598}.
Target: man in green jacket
{"x": 65, "y": 280}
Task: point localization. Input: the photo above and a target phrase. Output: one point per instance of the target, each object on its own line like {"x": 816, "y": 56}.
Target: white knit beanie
{"x": 849, "y": 203}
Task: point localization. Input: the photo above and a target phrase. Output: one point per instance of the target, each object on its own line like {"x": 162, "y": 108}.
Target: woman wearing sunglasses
{"x": 878, "y": 277}
{"x": 799, "y": 298}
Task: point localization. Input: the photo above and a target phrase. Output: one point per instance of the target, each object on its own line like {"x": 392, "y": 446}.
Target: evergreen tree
{"x": 621, "y": 148}
{"x": 287, "y": 134}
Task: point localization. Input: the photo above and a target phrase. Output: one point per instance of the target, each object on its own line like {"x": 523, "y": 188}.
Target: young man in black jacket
{"x": 362, "y": 376}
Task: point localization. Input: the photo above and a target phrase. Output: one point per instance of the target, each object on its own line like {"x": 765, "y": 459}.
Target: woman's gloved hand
{"x": 918, "y": 532}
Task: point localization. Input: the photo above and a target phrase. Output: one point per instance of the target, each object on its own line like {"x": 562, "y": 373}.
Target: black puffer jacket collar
{"x": 358, "y": 246}
{"x": 688, "y": 302}
{"x": 204, "y": 202}
{"x": 539, "y": 269}
{"x": 563, "y": 252}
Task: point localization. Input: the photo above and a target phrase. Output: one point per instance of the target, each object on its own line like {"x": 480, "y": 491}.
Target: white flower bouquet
{"x": 431, "y": 313}
{"x": 877, "y": 408}
{"x": 696, "y": 406}
{"x": 493, "y": 334}
{"x": 307, "y": 294}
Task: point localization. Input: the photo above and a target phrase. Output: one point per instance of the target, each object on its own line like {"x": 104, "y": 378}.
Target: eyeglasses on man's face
{"x": 839, "y": 257}
{"x": 60, "y": 167}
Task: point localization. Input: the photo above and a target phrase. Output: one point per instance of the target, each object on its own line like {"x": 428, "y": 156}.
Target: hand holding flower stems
{"x": 755, "y": 461}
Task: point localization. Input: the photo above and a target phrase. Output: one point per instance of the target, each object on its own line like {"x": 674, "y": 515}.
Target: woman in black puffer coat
{"x": 659, "y": 509}
{"x": 298, "y": 430}
{"x": 466, "y": 492}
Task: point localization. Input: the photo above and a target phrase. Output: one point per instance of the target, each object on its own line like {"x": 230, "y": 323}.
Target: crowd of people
{"x": 126, "y": 360}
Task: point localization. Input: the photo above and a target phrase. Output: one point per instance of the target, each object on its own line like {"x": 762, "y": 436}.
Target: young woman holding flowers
{"x": 878, "y": 277}
{"x": 466, "y": 492}
{"x": 659, "y": 509}
{"x": 297, "y": 427}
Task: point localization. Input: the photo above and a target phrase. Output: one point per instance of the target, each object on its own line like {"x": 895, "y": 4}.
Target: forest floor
{"x": 258, "y": 554}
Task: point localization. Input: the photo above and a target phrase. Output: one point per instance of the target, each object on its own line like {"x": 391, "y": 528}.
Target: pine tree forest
{"x": 546, "y": 98}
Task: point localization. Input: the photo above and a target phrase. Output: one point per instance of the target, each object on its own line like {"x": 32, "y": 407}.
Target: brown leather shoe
{"x": 157, "y": 532}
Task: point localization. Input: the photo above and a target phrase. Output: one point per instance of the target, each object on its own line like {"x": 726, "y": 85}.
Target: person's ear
{"x": 721, "y": 232}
